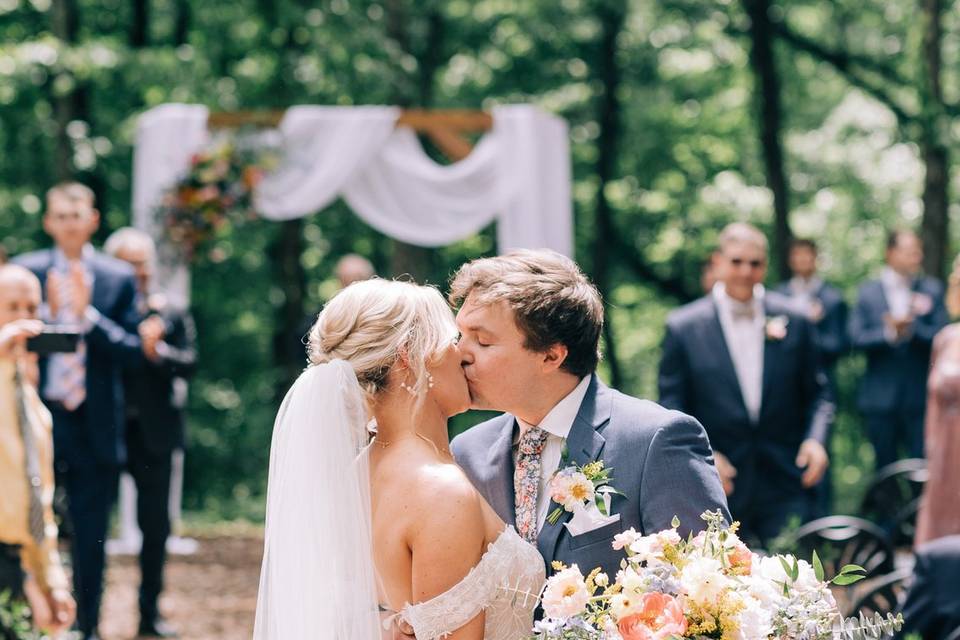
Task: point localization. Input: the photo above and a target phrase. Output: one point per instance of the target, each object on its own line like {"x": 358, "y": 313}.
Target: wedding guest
{"x": 28, "y": 533}
{"x": 745, "y": 364}
{"x": 156, "y": 391}
{"x": 894, "y": 322}
{"x": 353, "y": 268}
{"x": 932, "y": 608}
{"x": 83, "y": 389}
{"x": 824, "y": 307}
{"x": 939, "y": 514}
{"x": 709, "y": 272}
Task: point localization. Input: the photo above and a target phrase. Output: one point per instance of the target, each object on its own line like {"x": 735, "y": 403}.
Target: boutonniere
{"x": 921, "y": 304}
{"x": 585, "y": 488}
{"x": 776, "y": 327}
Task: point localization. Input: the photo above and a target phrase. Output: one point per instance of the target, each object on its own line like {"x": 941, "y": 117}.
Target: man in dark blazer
{"x": 156, "y": 396}
{"x": 84, "y": 389}
{"x": 825, "y": 308}
{"x": 530, "y": 325}
{"x": 932, "y": 606}
{"x": 894, "y": 322}
{"x": 745, "y": 364}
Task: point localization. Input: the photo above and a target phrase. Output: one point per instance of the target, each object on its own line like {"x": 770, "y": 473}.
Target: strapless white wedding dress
{"x": 504, "y": 585}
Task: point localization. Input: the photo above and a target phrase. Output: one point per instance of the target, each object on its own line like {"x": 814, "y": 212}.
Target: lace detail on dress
{"x": 505, "y": 584}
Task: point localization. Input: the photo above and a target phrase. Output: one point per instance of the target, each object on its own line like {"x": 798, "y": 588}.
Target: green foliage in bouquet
{"x": 15, "y": 619}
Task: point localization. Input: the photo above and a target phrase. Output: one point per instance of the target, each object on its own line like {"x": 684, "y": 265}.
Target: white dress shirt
{"x": 899, "y": 294}
{"x": 804, "y": 292}
{"x": 557, "y": 424}
{"x": 744, "y": 330}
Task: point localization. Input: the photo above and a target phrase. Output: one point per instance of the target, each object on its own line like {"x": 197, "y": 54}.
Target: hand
{"x": 814, "y": 459}
{"x": 151, "y": 333}
{"x": 64, "y": 610}
{"x": 13, "y": 335}
{"x": 54, "y": 282}
{"x": 815, "y": 312}
{"x": 726, "y": 470}
{"x": 39, "y": 607}
{"x": 900, "y": 326}
{"x": 81, "y": 289}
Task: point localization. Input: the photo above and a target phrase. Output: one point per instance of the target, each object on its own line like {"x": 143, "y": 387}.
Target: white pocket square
{"x": 587, "y": 520}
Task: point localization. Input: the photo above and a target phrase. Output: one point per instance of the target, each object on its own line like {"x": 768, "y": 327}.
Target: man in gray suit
{"x": 530, "y": 325}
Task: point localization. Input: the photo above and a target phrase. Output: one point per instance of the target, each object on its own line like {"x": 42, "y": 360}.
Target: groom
{"x": 530, "y": 326}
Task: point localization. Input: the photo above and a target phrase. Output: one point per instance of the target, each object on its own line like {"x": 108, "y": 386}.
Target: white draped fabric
{"x": 518, "y": 174}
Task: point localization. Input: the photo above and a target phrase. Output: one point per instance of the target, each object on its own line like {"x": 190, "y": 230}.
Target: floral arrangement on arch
{"x": 707, "y": 586}
{"x": 216, "y": 191}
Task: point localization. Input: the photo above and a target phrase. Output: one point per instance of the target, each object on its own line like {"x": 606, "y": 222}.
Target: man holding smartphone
{"x": 28, "y": 534}
{"x": 84, "y": 389}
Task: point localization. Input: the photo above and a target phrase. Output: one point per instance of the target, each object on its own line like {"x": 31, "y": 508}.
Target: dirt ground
{"x": 211, "y": 595}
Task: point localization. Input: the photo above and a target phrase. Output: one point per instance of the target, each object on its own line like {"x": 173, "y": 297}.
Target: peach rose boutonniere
{"x": 776, "y": 328}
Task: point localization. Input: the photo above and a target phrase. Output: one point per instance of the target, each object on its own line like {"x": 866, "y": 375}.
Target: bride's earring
{"x": 430, "y": 380}
{"x": 408, "y": 388}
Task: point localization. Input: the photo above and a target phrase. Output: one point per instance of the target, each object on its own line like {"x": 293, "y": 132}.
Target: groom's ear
{"x": 554, "y": 357}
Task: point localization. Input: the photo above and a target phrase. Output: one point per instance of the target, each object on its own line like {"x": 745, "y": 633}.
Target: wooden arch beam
{"x": 446, "y": 128}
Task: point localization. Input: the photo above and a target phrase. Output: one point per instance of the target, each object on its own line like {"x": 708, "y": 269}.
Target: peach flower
{"x": 659, "y": 616}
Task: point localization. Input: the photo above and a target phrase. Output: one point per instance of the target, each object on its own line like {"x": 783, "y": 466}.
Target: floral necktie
{"x": 526, "y": 481}
{"x": 31, "y": 463}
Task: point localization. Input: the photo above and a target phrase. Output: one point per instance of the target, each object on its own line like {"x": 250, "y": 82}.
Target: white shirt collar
{"x": 805, "y": 285}
{"x": 60, "y": 259}
{"x": 891, "y": 278}
{"x": 725, "y": 301}
{"x": 559, "y": 420}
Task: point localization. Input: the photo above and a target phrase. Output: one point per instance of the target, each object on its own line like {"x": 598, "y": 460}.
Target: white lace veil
{"x": 318, "y": 578}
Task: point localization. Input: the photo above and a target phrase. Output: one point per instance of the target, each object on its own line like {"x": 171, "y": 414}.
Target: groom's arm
{"x": 679, "y": 478}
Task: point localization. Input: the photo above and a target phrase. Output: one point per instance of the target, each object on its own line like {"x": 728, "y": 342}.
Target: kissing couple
{"x": 408, "y": 530}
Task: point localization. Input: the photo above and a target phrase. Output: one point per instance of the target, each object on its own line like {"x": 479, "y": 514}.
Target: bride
{"x": 354, "y": 528}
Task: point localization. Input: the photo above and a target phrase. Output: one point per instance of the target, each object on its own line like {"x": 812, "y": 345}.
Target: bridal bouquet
{"x": 707, "y": 586}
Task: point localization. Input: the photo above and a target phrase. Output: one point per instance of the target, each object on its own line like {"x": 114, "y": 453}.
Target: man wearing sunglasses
{"x": 745, "y": 364}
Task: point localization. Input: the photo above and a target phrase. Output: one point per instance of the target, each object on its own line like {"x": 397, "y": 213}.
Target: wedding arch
{"x": 518, "y": 173}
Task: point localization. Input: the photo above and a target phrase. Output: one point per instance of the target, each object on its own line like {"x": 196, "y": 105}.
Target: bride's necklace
{"x": 386, "y": 443}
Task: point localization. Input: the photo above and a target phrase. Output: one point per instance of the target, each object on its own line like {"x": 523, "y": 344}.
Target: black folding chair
{"x": 843, "y": 540}
{"x": 893, "y": 496}
{"x": 883, "y": 594}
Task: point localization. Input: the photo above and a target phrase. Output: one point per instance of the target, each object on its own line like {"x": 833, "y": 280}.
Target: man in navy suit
{"x": 530, "y": 325}
{"x": 932, "y": 606}
{"x": 84, "y": 389}
{"x": 745, "y": 364}
{"x": 824, "y": 307}
{"x": 894, "y": 322}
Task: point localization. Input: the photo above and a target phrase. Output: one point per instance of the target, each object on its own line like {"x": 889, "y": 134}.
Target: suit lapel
{"x": 583, "y": 445}
{"x": 501, "y": 458}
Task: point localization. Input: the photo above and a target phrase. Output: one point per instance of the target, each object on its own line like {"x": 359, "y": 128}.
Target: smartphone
{"x": 55, "y": 339}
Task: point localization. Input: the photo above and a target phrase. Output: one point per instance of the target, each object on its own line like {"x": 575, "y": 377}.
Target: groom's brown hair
{"x": 553, "y": 302}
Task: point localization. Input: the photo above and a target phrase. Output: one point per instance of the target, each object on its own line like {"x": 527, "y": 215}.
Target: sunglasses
{"x": 754, "y": 264}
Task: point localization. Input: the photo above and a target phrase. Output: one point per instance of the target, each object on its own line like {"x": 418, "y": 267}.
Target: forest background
{"x": 828, "y": 119}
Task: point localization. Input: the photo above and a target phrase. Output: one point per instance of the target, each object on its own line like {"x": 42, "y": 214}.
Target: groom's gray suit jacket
{"x": 661, "y": 461}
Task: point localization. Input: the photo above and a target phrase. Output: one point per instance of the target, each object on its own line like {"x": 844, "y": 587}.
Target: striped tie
{"x": 32, "y": 462}
{"x": 73, "y": 365}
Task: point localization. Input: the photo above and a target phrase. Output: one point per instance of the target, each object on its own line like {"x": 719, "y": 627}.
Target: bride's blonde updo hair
{"x": 369, "y": 323}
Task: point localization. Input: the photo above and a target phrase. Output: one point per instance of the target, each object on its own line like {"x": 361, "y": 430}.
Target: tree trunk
{"x": 64, "y": 26}
{"x": 767, "y": 92}
{"x": 140, "y": 25}
{"x": 935, "y": 224}
{"x": 612, "y": 16}
{"x": 181, "y": 22}
{"x": 418, "y": 262}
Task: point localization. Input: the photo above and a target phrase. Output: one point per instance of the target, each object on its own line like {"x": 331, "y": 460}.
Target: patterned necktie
{"x": 32, "y": 462}
{"x": 526, "y": 481}
{"x": 74, "y": 369}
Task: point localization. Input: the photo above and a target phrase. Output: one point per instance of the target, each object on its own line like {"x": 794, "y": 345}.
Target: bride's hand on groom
{"x": 726, "y": 470}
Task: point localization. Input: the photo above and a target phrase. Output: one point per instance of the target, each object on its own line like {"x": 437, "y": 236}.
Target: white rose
{"x": 703, "y": 581}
